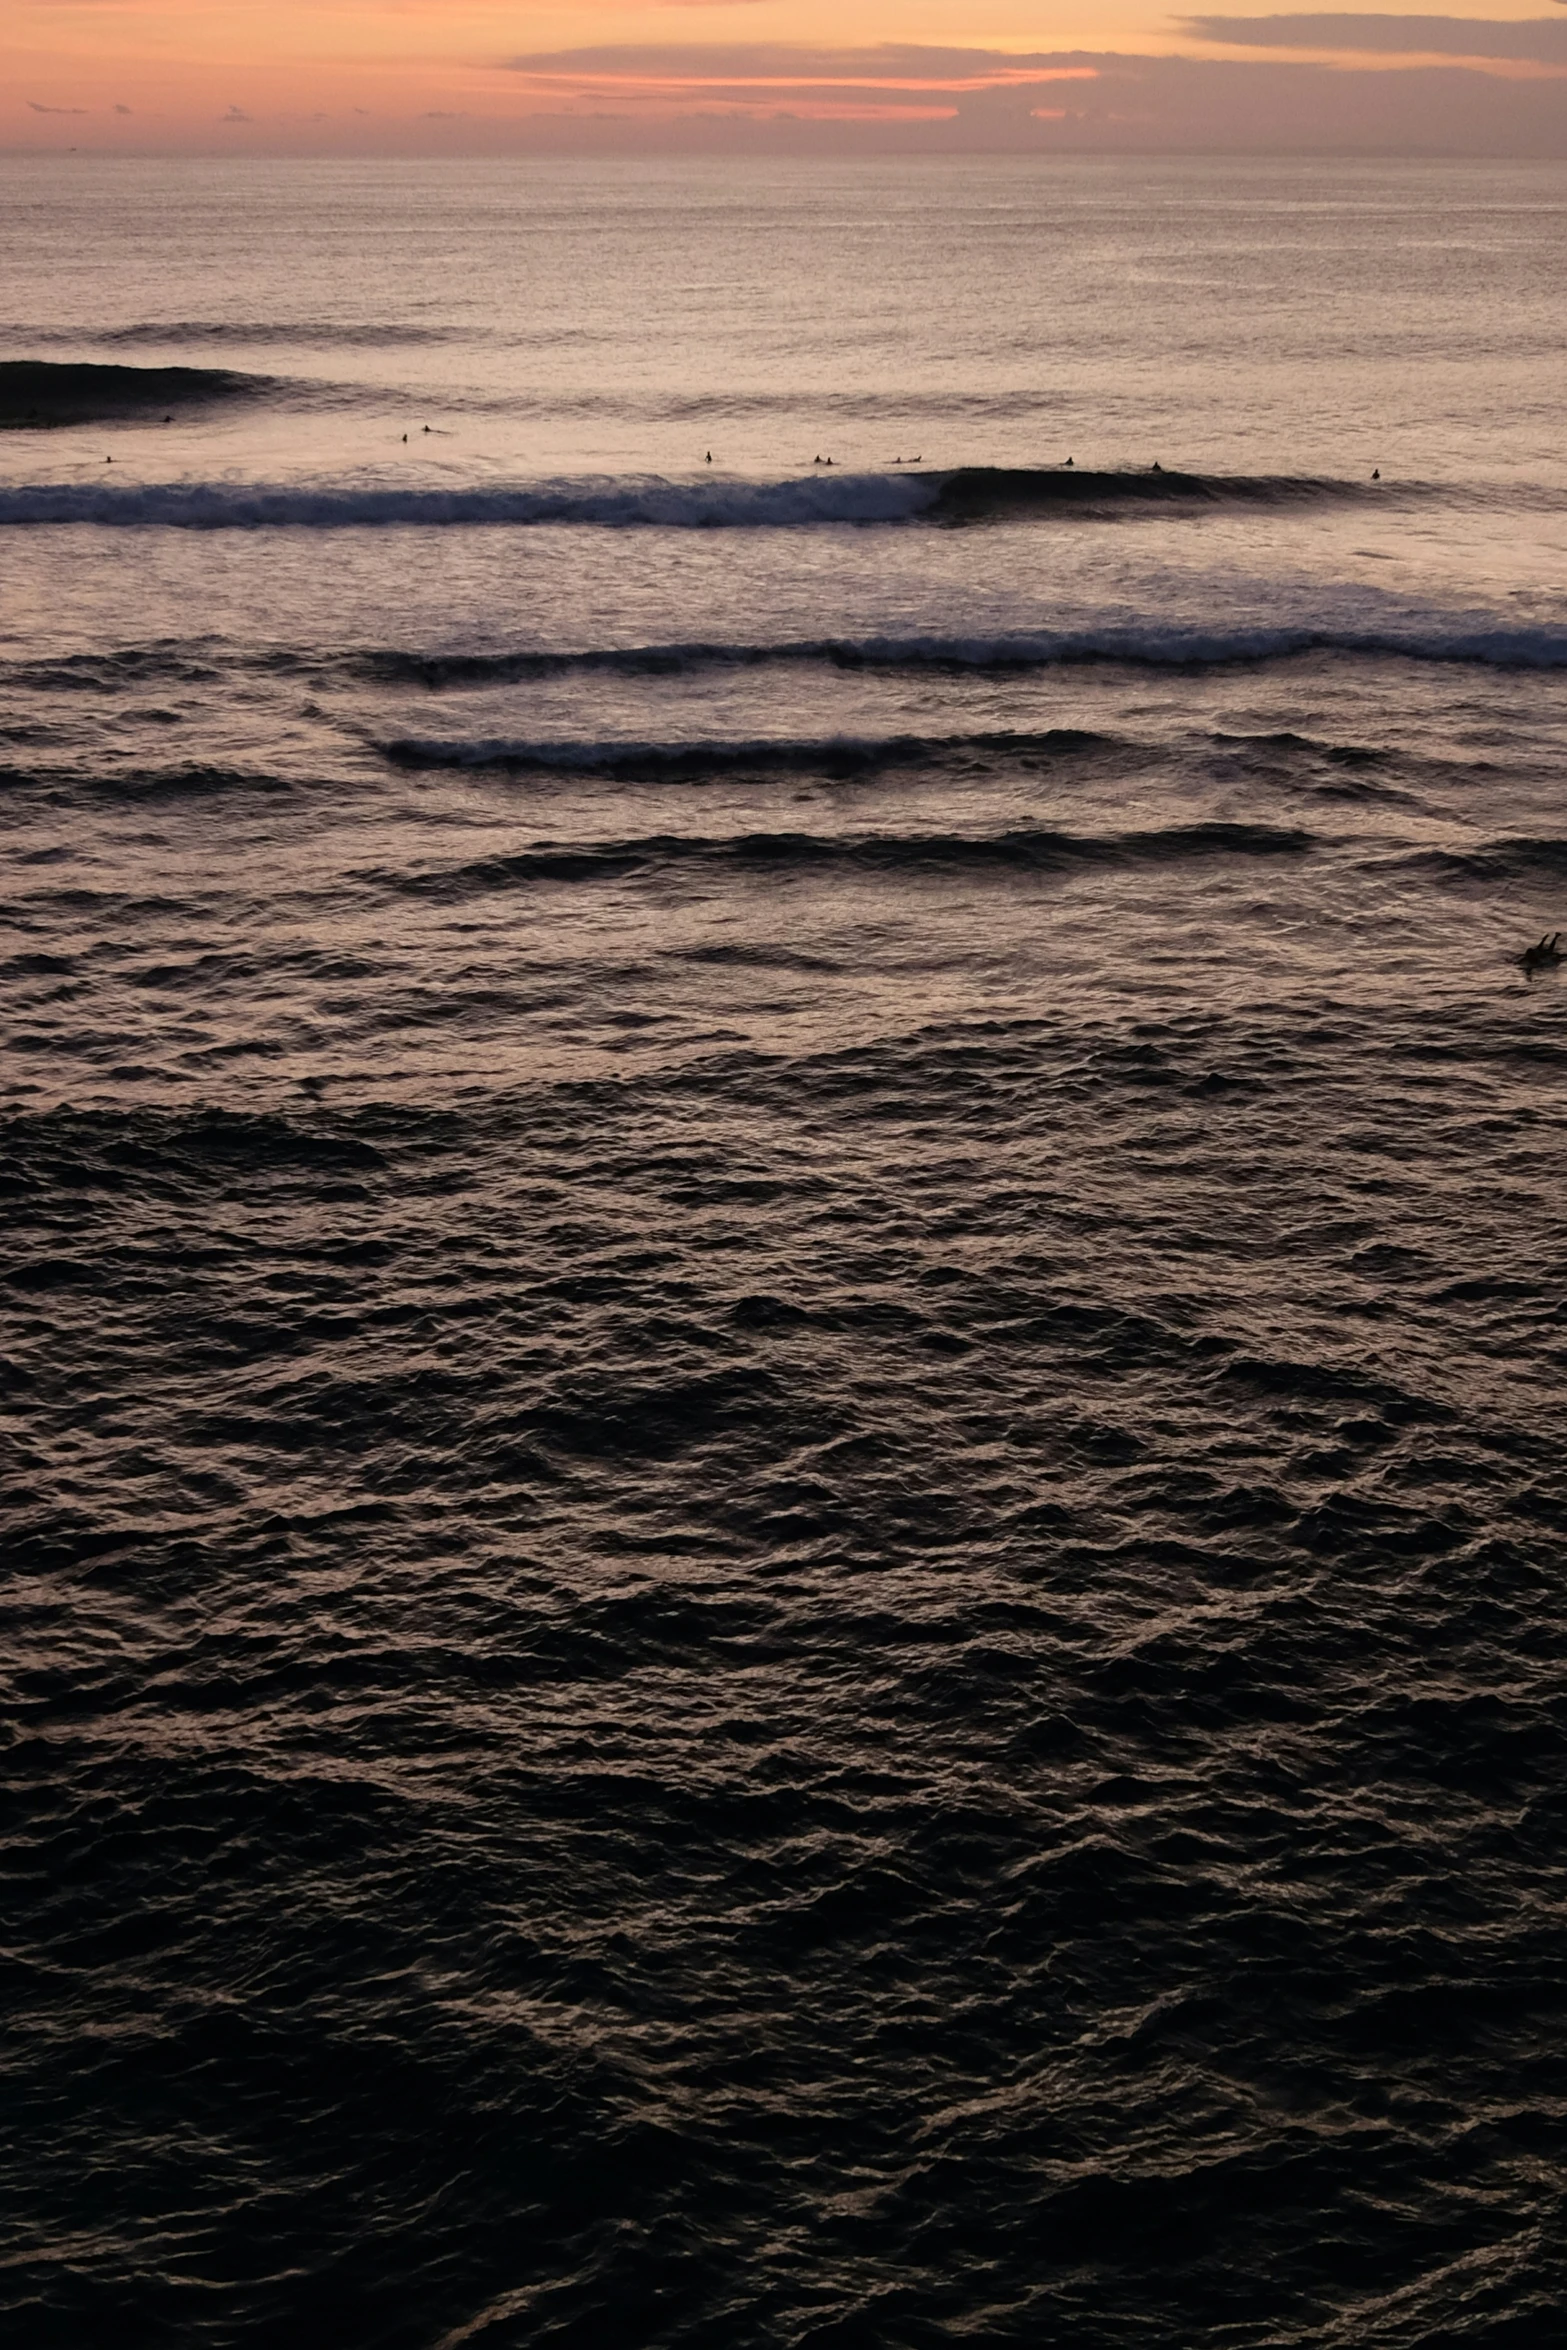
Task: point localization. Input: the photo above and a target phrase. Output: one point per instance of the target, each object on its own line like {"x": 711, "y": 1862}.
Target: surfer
{"x": 1545, "y": 956}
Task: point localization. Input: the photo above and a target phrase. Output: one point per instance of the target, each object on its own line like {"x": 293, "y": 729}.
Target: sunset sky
{"x": 488, "y": 76}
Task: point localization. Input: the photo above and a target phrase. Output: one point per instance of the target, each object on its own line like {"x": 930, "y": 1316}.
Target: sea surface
{"x": 785, "y": 1255}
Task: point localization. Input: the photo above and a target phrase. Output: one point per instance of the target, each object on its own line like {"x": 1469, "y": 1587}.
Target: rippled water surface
{"x": 785, "y": 1256}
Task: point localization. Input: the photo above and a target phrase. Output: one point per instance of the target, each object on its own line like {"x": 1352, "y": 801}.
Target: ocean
{"x": 784, "y": 1251}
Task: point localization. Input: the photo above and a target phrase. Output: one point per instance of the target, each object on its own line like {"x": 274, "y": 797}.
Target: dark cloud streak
{"x": 1536, "y": 40}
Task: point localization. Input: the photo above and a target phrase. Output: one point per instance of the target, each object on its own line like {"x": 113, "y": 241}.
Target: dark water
{"x": 786, "y": 1282}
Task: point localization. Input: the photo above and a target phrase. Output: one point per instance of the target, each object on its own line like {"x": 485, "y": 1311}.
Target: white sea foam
{"x": 823, "y": 497}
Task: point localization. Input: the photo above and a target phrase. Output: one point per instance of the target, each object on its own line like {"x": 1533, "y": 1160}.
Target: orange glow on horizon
{"x": 414, "y": 76}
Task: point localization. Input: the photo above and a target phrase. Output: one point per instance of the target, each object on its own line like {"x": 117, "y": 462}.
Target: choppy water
{"x": 785, "y": 1257}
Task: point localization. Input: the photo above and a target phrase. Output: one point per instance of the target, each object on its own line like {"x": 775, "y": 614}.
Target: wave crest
{"x": 972, "y": 493}
{"x": 675, "y": 762}
{"x": 976, "y": 491}
{"x": 608, "y": 503}
{"x": 61, "y": 392}
{"x": 1024, "y": 849}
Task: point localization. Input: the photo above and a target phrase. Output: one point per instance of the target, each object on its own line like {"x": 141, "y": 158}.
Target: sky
{"x": 395, "y": 77}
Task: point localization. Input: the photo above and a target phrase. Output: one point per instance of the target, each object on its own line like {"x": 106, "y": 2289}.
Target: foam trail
{"x": 822, "y": 498}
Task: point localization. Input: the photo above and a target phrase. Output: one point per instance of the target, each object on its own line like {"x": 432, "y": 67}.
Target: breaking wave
{"x": 607, "y": 503}
{"x": 974, "y": 491}
{"x": 968, "y": 494}
{"x": 60, "y": 392}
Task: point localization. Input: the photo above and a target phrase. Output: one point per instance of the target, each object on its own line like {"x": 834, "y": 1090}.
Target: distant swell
{"x": 1489, "y": 863}
{"x": 308, "y": 334}
{"x": 1162, "y": 642}
{"x": 1158, "y": 643}
{"x": 836, "y": 754}
{"x": 1026, "y": 850}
